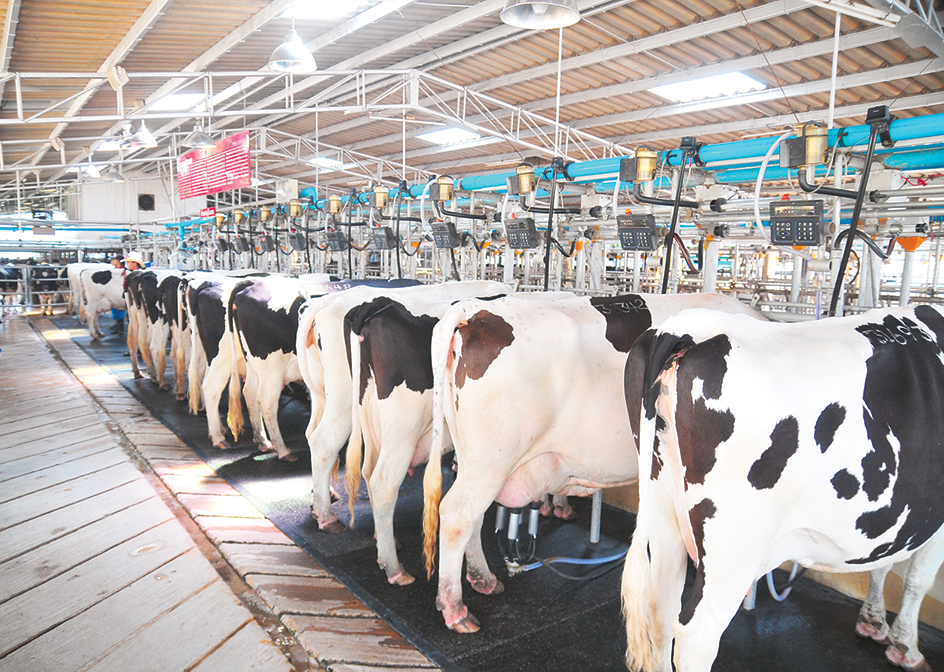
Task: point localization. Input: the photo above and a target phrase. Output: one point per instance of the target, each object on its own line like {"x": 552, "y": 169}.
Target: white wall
{"x": 118, "y": 202}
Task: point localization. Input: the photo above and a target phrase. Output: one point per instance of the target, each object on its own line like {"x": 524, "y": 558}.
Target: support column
{"x": 710, "y": 282}
{"x": 905, "y": 296}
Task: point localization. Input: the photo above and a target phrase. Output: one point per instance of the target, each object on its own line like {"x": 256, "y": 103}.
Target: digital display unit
{"x": 796, "y": 223}
{"x": 337, "y": 242}
{"x": 521, "y": 233}
{"x": 637, "y": 232}
{"x": 445, "y": 235}
{"x": 383, "y": 237}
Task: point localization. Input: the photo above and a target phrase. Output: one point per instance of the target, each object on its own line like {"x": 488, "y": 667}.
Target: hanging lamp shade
{"x": 198, "y": 138}
{"x": 144, "y": 138}
{"x": 534, "y": 15}
{"x": 292, "y": 56}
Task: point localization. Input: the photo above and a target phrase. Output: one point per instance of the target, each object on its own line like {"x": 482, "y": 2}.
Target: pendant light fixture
{"x": 540, "y": 15}
{"x": 292, "y": 55}
{"x": 144, "y": 138}
{"x": 198, "y": 138}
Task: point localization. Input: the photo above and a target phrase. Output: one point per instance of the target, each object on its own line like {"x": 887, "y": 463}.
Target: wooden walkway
{"x": 120, "y": 549}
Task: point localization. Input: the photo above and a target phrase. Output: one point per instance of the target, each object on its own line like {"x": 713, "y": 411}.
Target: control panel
{"x": 796, "y": 223}
{"x": 221, "y": 244}
{"x": 266, "y": 244}
{"x": 445, "y": 235}
{"x": 637, "y": 232}
{"x": 383, "y": 238}
{"x": 521, "y": 233}
{"x": 298, "y": 241}
{"x": 336, "y": 240}
{"x": 240, "y": 244}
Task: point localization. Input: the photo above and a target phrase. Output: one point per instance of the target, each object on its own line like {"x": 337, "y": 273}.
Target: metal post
{"x": 710, "y": 282}
{"x": 595, "y": 515}
{"x": 905, "y": 296}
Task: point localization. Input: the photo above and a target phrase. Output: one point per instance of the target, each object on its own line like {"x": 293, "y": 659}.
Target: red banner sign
{"x": 208, "y": 212}
{"x": 214, "y": 169}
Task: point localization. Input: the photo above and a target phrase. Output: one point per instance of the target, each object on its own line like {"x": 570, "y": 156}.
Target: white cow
{"x": 533, "y": 396}
{"x": 760, "y": 443}
{"x": 77, "y": 288}
{"x": 104, "y": 290}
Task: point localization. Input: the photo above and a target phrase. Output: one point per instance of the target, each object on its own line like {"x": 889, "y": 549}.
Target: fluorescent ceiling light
{"x": 178, "y": 102}
{"x": 323, "y": 10}
{"x": 716, "y": 86}
{"x": 325, "y": 162}
{"x": 449, "y": 136}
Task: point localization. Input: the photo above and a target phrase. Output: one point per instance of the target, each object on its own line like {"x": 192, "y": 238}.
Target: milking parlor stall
{"x": 471, "y": 335}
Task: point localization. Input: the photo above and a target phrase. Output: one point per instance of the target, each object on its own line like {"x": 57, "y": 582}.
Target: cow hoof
{"x": 485, "y": 587}
{"x": 897, "y": 654}
{"x": 137, "y": 375}
{"x": 180, "y": 397}
{"x": 565, "y": 513}
{"x": 401, "y": 578}
{"x": 876, "y": 630}
{"x": 334, "y": 527}
{"x": 165, "y": 387}
{"x": 222, "y": 444}
{"x": 289, "y": 457}
{"x": 464, "y": 622}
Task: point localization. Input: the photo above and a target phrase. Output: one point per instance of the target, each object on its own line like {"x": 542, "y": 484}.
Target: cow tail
{"x": 353, "y": 457}
{"x": 234, "y": 415}
{"x": 442, "y": 349}
{"x": 177, "y": 335}
{"x": 197, "y": 354}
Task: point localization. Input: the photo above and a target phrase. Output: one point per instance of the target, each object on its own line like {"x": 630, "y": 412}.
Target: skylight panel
{"x": 324, "y": 10}
{"x": 178, "y": 102}
{"x": 325, "y": 163}
{"x": 449, "y": 136}
{"x": 716, "y": 86}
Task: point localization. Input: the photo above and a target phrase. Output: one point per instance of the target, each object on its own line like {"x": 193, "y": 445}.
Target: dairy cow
{"x": 262, "y": 321}
{"x": 821, "y": 439}
{"x": 44, "y": 285}
{"x": 392, "y": 406}
{"x": 148, "y": 325}
{"x": 104, "y": 290}
{"x": 77, "y": 289}
{"x": 175, "y": 315}
{"x": 11, "y": 287}
{"x": 512, "y": 379}
{"x": 323, "y": 354}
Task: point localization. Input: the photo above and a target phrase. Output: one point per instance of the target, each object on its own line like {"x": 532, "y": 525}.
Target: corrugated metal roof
{"x": 610, "y": 62}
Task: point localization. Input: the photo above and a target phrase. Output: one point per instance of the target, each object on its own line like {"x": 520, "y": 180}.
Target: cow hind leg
{"x": 384, "y": 485}
{"x": 214, "y": 382}
{"x": 461, "y": 513}
{"x": 325, "y": 444}
{"x": 270, "y": 414}
{"x": 721, "y": 582}
{"x": 871, "y": 623}
{"x": 919, "y": 577}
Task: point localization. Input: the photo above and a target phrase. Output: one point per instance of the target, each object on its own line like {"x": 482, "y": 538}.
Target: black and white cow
{"x": 148, "y": 325}
{"x": 821, "y": 443}
{"x": 180, "y": 347}
{"x": 77, "y": 289}
{"x": 104, "y": 290}
{"x": 532, "y": 392}
{"x": 323, "y": 361}
{"x": 44, "y": 285}
{"x": 11, "y": 288}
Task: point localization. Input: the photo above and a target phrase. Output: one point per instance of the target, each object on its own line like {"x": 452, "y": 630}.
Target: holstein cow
{"x": 532, "y": 393}
{"x": 77, "y": 289}
{"x": 759, "y": 443}
{"x": 44, "y": 285}
{"x": 263, "y": 321}
{"x": 326, "y": 370}
{"x": 11, "y": 287}
{"x": 392, "y": 406}
{"x": 176, "y": 317}
{"x": 103, "y": 291}
{"x": 148, "y": 326}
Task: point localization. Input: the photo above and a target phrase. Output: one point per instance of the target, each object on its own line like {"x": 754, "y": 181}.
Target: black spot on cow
{"x": 627, "y": 317}
{"x": 169, "y": 302}
{"x": 206, "y": 302}
{"x": 902, "y": 398}
{"x": 263, "y": 329}
{"x": 484, "y": 336}
{"x": 826, "y": 425}
{"x": 845, "y": 484}
{"x": 698, "y": 515}
{"x": 101, "y": 277}
{"x": 784, "y": 442}
{"x": 701, "y": 429}
{"x": 396, "y": 346}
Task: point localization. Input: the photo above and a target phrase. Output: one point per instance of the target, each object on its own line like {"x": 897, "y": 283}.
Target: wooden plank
{"x": 246, "y": 651}
{"x": 200, "y": 485}
{"x": 34, "y": 463}
{"x": 211, "y": 505}
{"x": 64, "y": 404}
{"x": 242, "y": 530}
{"x": 307, "y": 595}
{"x": 55, "y": 558}
{"x": 30, "y": 614}
{"x": 345, "y": 667}
{"x": 13, "y": 404}
{"x": 60, "y": 415}
{"x": 75, "y": 440}
{"x": 47, "y": 478}
{"x": 214, "y": 613}
{"x": 55, "y": 524}
{"x": 38, "y": 503}
{"x": 93, "y": 633}
{"x": 271, "y": 559}
{"x": 367, "y": 641}
{"x": 51, "y": 432}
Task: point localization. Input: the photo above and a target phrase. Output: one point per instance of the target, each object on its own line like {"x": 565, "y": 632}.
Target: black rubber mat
{"x": 541, "y": 622}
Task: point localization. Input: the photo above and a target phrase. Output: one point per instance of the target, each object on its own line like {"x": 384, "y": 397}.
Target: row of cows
{"x": 746, "y": 436}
